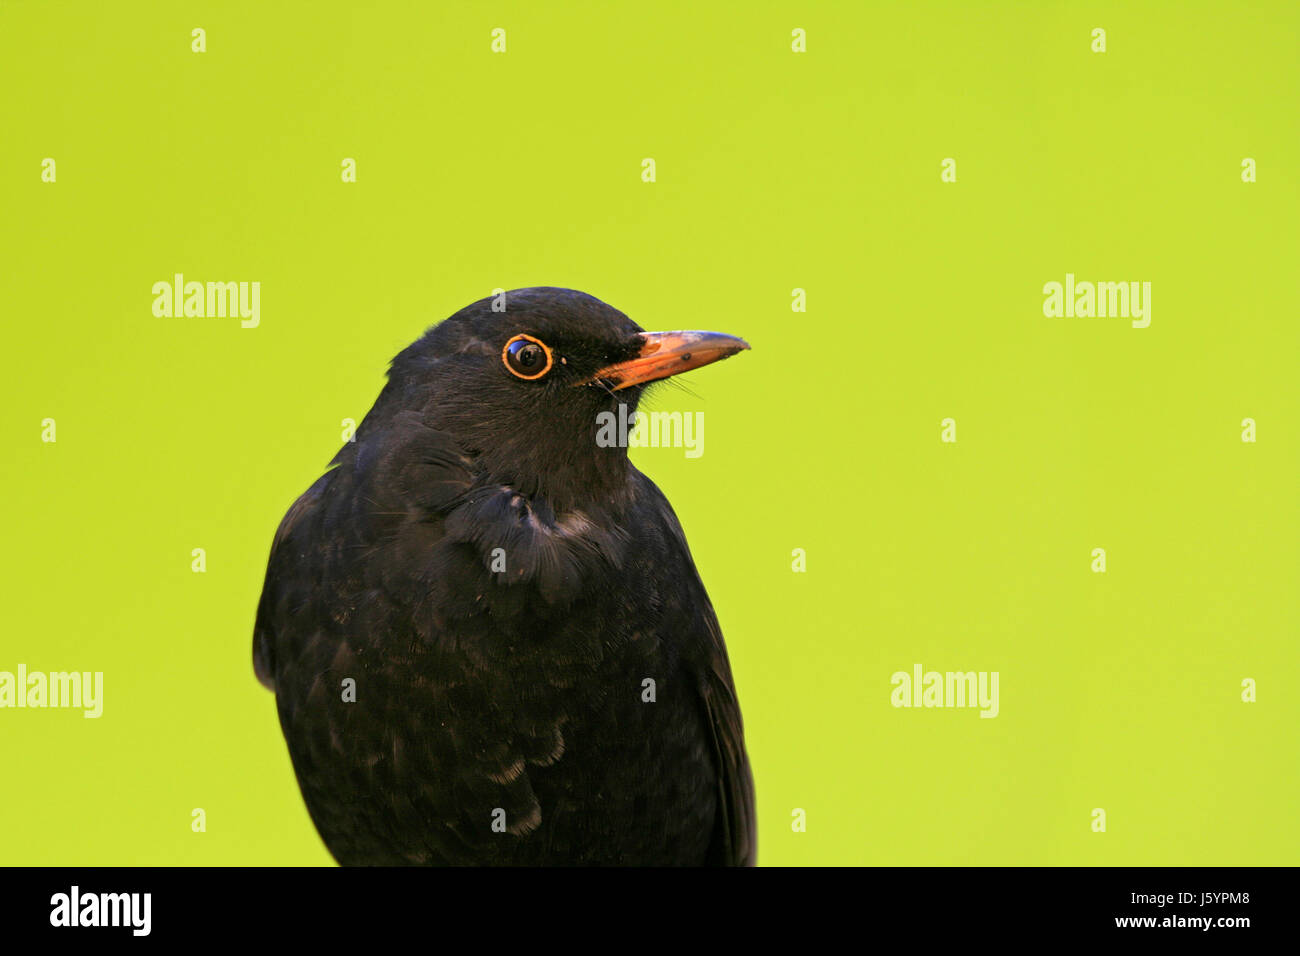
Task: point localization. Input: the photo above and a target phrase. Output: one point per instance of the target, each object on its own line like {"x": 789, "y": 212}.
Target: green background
{"x": 775, "y": 170}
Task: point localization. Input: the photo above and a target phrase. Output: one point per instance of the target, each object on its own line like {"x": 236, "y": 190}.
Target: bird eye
{"x": 527, "y": 357}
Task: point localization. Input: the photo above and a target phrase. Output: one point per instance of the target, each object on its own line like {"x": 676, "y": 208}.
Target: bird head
{"x": 520, "y": 381}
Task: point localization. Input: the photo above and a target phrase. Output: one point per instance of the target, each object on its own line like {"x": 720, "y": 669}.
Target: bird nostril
{"x": 686, "y": 357}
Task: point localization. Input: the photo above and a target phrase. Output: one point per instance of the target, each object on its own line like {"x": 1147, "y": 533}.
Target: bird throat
{"x": 570, "y": 470}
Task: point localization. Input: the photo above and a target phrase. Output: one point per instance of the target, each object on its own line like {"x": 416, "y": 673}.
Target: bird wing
{"x": 263, "y": 635}
{"x": 421, "y": 471}
{"x": 362, "y": 582}
{"x": 734, "y": 840}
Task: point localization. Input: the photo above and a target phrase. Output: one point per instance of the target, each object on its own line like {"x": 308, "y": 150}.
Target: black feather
{"x": 511, "y": 696}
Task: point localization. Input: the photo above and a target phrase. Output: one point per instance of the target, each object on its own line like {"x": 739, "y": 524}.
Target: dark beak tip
{"x": 728, "y": 345}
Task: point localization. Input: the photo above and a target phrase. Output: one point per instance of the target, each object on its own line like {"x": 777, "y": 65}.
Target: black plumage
{"x": 500, "y": 716}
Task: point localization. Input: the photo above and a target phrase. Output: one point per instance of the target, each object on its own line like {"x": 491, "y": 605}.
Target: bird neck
{"x": 578, "y": 477}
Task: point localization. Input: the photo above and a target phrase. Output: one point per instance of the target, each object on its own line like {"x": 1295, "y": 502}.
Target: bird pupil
{"x": 527, "y": 359}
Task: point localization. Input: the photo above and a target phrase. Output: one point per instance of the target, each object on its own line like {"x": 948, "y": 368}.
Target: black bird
{"x": 484, "y": 629}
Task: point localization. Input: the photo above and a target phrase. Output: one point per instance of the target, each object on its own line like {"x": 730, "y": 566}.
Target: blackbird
{"x": 487, "y": 638}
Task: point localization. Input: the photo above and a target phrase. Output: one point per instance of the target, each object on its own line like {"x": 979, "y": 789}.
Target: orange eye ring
{"x": 514, "y": 362}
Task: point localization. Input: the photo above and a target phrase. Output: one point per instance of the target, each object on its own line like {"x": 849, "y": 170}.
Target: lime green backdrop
{"x": 775, "y": 170}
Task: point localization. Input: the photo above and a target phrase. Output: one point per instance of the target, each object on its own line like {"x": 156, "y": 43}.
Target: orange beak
{"x": 668, "y": 353}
